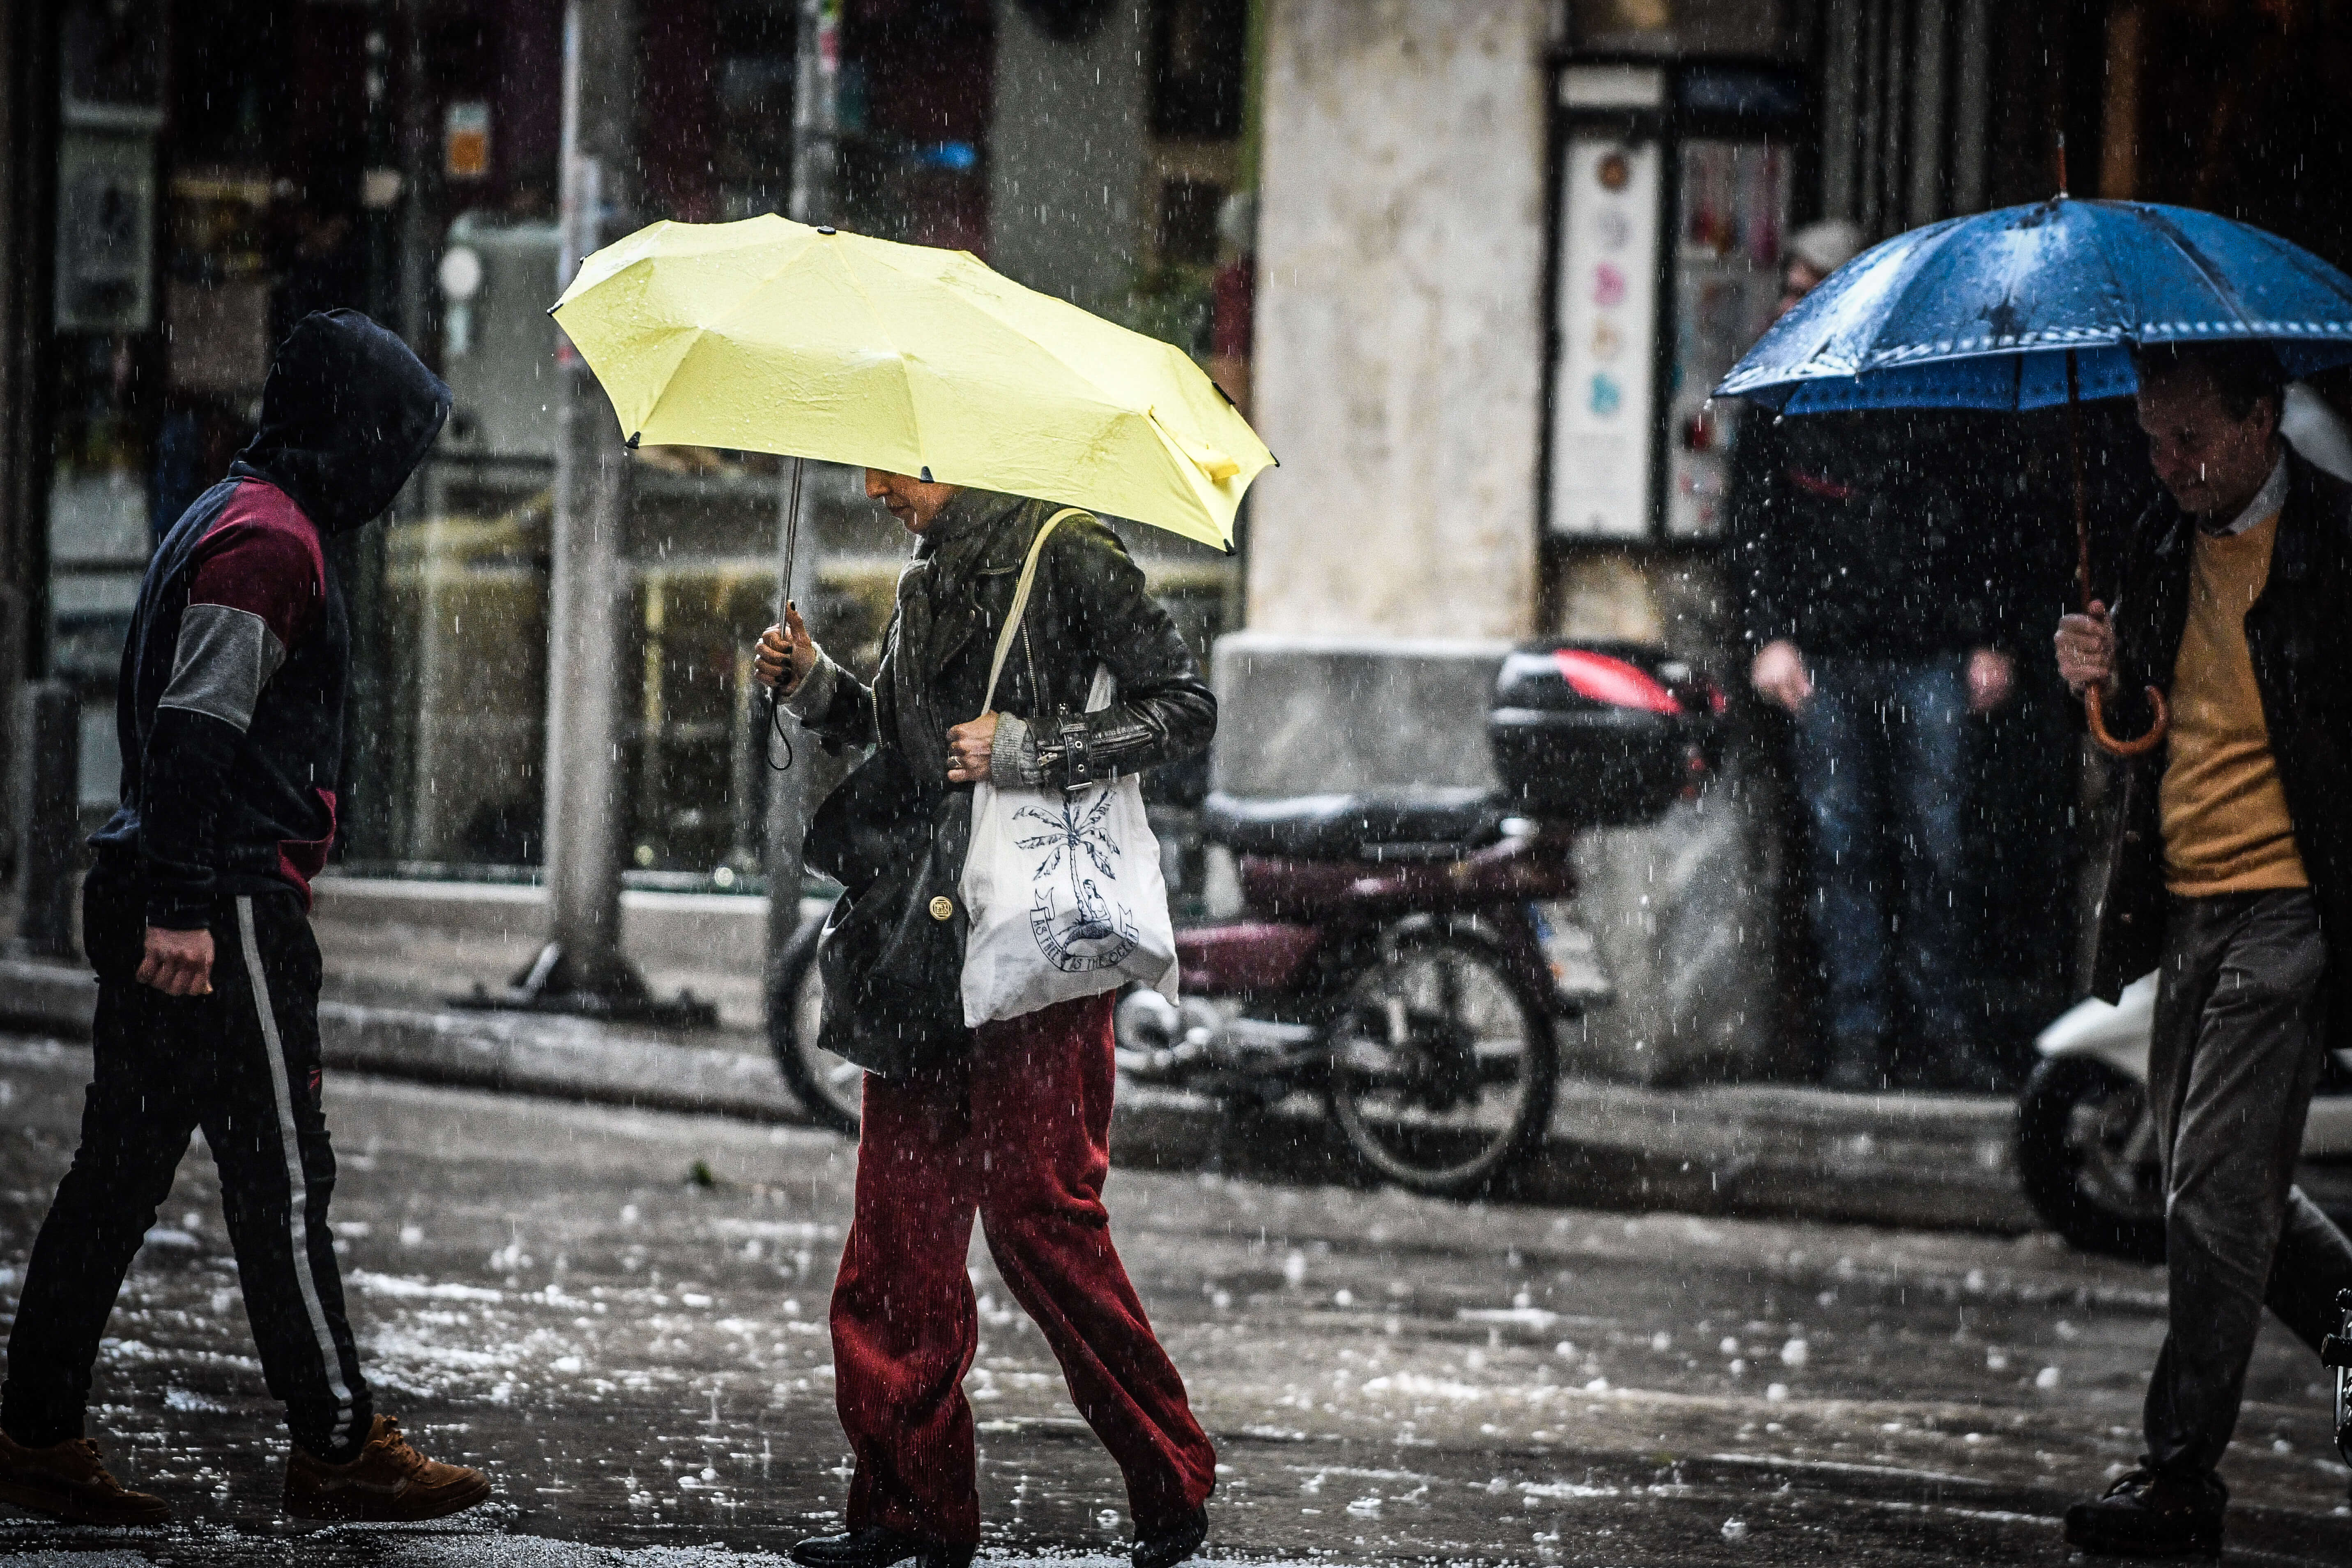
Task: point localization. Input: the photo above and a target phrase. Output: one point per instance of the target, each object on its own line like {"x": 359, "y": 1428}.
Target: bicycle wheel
{"x": 831, "y": 1090}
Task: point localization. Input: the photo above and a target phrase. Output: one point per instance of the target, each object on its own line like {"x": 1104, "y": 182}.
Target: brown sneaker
{"x": 68, "y": 1480}
{"x": 388, "y": 1482}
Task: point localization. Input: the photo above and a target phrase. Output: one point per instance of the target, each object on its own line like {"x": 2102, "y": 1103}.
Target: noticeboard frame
{"x": 1694, "y": 99}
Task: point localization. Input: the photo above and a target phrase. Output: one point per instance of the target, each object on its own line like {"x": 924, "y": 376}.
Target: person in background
{"x": 230, "y": 714}
{"x": 1873, "y": 624}
{"x": 2228, "y": 871}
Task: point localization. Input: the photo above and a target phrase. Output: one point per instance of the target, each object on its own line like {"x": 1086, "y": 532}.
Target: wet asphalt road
{"x": 640, "y": 1359}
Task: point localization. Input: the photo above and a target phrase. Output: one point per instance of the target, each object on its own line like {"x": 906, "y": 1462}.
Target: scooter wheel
{"x": 830, "y": 1090}
{"x": 1443, "y": 1065}
{"x": 2087, "y": 1158}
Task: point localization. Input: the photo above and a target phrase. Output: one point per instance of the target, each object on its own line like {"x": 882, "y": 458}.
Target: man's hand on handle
{"x": 788, "y": 647}
{"x": 1779, "y": 674}
{"x": 2086, "y": 650}
{"x": 178, "y": 962}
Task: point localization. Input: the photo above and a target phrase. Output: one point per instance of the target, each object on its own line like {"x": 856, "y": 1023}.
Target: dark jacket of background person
{"x": 230, "y": 704}
{"x": 1869, "y": 535}
{"x": 2299, "y": 635}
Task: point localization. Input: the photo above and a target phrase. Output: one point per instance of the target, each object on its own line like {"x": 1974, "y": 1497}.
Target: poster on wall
{"x": 1603, "y": 397}
{"x": 1734, "y": 207}
{"x": 106, "y": 232}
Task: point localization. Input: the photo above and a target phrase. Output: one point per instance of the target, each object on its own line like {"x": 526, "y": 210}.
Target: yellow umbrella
{"x": 768, "y": 335}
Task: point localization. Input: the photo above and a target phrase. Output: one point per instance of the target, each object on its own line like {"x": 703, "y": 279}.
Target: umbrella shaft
{"x": 792, "y": 544}
{"x": 2082, "y": 485}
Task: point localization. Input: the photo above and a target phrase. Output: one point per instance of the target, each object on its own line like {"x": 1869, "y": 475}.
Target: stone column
{"x": 1065, "y": 153}
{"x": 1399, "y": 373}
{"x": 790, "y": 794}
{"x": 588, "y": 590}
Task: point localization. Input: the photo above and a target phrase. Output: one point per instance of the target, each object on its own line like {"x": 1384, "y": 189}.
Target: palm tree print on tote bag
{"x": 1092, "y": 932}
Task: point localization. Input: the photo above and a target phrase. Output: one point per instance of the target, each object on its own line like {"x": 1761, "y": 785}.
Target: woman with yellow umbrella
{"x": 963, "y": 395}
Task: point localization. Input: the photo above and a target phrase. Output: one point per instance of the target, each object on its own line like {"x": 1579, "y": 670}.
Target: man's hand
{"x": 2086, "y": 649}
{"x": 785, "y": 647}
{"x": 967, "y": 749}
{"x": 178, "y": 962}
{"x": 1780, "y": 675}
{"x": 1993, "y": 676}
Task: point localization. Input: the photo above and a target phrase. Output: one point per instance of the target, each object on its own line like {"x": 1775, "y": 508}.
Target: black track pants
{"x": 243, "y": 1063}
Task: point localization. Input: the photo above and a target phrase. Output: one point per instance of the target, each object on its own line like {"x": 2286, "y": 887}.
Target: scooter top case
{"x": 1599, "y": 734}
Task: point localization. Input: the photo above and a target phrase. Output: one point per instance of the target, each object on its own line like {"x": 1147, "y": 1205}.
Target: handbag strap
{"x": 1021, "y": 603}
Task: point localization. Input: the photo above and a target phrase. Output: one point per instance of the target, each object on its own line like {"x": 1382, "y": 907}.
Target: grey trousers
{"x": 2236, "y": 1052}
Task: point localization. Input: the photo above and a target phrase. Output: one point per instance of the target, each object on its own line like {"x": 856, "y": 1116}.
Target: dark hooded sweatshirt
{"x": 230, "y": 704}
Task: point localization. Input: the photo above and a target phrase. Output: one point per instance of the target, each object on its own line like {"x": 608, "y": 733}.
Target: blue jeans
{"x": 1880, "y": 754}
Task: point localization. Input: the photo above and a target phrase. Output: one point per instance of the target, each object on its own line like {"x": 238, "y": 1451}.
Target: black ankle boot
{"x": 876, "y": 1546}
{"x": 1168, "y": 1547}
{"x": 2146, "y": 1514}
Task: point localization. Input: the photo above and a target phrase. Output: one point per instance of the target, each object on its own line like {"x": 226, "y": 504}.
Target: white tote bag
{"x": 1063, "y": 887}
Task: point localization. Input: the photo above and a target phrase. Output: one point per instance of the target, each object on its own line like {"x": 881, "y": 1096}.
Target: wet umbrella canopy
{"x": 2029, "y": 306}
{"x": 1984, "y": 312}
{"x": 768, "y": 335}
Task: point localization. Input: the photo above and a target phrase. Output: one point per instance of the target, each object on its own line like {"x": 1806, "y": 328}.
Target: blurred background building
{"x": 194, "y": 174}
{"x": 1378, "y": 226}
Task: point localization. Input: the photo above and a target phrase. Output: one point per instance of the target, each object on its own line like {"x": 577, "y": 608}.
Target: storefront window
{"x": 103, "y": 354}
{"x": 204, "y": 208}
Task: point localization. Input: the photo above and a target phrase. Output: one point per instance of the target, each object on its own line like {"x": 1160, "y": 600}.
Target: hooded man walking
{"x": 1016, "y": 1128}
{"x": 2230, "y": 867}
{"x": 230, "y": 714}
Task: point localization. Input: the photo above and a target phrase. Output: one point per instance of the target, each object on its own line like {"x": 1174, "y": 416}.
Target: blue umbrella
{"x": 2033, "y": 306}
{"x": 1984, "y": 312}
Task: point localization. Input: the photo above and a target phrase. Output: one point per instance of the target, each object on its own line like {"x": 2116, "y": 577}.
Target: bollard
{"x": 48, "y": 814}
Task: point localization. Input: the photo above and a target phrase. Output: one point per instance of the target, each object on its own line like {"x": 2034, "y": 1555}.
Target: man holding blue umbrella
{"x": 2230, "y": 867}
{"x": 2229, "y": 663}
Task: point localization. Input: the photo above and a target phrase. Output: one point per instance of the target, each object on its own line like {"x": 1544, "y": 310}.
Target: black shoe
{"x": 2149, "y": 1515}
{"x": 878, "y": 1547}
{"x": 1174, "y": 1544}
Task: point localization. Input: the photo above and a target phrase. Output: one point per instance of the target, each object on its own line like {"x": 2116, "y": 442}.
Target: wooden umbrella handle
{"x": 2093, "y": 709}
{"x": 2094, "y": 706}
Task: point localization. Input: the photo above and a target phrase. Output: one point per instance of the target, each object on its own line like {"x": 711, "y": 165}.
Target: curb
{"x": 1914, "y": 1161}
{"x": 514, "y": 1053}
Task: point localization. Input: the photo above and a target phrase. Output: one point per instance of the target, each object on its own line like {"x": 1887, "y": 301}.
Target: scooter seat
{"x": 1429, "y": 821}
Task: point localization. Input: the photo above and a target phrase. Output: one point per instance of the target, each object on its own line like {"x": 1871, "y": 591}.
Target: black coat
{"x": 1873, "y": 535}
{"x": 896, "y": 832}
{"x": 1089, "y": 608}
{"x": 2300, "y": 638}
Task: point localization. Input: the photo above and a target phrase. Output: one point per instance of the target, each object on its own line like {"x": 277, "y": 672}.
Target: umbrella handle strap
{"x": 2093, "y": 709}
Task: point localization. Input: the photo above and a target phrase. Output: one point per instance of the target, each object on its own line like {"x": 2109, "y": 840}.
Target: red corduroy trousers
{"x": 1020, "y": 1135}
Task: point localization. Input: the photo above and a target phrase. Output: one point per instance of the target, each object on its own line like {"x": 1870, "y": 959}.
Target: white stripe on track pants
{"x": 242, "y": 1064}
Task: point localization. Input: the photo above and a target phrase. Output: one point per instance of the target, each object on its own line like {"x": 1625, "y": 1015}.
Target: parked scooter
{"x": 2086, "y": 1139}
{"x": 2335, "y": 1353}
{"x": 1402, "y": 955}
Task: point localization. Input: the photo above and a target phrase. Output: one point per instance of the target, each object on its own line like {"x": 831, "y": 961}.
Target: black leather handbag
{"x": 892, "y": 954}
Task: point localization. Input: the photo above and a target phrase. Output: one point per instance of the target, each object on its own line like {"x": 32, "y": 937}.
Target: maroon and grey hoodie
{"x": 230, "y": 705}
